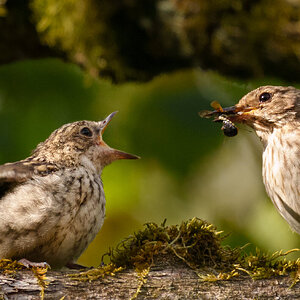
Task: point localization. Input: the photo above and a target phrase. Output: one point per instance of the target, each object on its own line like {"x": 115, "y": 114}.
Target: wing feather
{"x": 16, "y": 172}
{"x": 12, "y": 174}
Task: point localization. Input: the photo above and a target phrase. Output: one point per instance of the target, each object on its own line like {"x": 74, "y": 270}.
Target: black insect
{"x": 229, "y": 129}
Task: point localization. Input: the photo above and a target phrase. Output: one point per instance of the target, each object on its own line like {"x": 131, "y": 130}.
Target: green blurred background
{"x": 188, "y": 168}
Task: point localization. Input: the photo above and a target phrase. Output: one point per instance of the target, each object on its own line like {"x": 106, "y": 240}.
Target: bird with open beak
{"x": 274, "y": 113}
{"x": 52, "y": 204}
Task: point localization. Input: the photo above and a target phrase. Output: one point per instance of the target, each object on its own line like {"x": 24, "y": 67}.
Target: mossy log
{"x": 164, "y": 281}
{"x": 185, "y": 261}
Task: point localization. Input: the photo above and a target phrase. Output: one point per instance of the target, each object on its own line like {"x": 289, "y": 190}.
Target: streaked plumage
{"x": 274, "y": 113}
{"x": 52, "y": 203}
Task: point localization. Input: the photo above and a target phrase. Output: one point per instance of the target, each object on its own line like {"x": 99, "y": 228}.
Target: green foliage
{"x": 37, "y": 98}
{"x": 3, "y": 10}
{"x": 107, "y": 38}
{"x": 244, "y": 37}
{"x": 127, "y": 40}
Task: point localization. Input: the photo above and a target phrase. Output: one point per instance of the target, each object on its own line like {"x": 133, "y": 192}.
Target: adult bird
{"x": 274, "y": 113}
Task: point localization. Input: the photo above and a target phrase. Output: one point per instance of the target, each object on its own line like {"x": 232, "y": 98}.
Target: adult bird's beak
{"x": 239, "y": 113}
{"x": 217, "y": 112}
{"x": 233, "y": 113}
{"x": 111, "y": 153}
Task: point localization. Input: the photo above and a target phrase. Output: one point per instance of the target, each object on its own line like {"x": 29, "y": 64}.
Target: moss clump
{"x": 195, "y": 242}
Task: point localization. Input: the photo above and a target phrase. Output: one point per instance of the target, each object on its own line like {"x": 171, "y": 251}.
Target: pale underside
{"x": 281, "y": 173}
{"x": 47, "y": 214}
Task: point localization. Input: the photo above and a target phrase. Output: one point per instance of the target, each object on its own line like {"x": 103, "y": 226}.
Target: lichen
{"x": 11, "y": 267}
{"x": 142, "y": 277}
{"x": 40, "y": 275}
{"x": 96, "y": 273}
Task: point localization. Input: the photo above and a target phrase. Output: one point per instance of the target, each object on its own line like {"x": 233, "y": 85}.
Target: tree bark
{"x": 162, "y": 282}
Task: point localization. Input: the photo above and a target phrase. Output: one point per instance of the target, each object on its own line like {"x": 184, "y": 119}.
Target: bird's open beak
{"x": 106, "y": 121}
{"x": 113, "y": 154}
{"x": 117, "y": 154}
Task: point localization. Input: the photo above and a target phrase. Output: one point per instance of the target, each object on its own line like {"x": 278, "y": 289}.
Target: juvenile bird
{"x": 52, "y": 203}
{"x": 274, "y": 113}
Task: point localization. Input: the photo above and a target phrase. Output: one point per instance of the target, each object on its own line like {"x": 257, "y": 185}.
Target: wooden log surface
{"x": 162, "y": 282}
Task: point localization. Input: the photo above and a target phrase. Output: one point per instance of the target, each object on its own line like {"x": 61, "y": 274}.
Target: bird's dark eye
{"x": 264, "y": 97}
{"x": 86, "y": 131}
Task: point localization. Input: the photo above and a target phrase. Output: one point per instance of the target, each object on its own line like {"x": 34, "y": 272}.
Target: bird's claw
{"x": 28, "y": 264}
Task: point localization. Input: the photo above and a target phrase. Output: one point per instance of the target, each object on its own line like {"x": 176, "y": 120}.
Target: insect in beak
{"x": 221, "y": 114}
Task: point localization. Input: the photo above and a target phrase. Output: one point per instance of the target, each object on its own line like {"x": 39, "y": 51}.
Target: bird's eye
{"x": 86, "y": 131}
{"x": 264, "y": 97}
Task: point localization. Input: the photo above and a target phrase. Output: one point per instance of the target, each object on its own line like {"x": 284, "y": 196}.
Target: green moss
{"x": 198, "y": 244}
{"x": 261, "y": 265}
{"x": 195, "y": 242}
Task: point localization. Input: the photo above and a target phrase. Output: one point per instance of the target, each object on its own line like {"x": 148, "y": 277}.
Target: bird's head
{"x": 267, "y": 107}
{"x": 264, "y": 109}
{"x": 80, "y": 143}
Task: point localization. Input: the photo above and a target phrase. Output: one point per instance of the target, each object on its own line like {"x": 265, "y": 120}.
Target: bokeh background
{"x": 158, "y": 62}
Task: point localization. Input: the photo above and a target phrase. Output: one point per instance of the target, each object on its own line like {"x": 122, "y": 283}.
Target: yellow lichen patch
{"x": 142, "y": 276}
{"x": 96, "y": 273}
{"x": 10, "y": 267}
{"x": 40, "y": 274}
{"x": 220, "y": 276}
